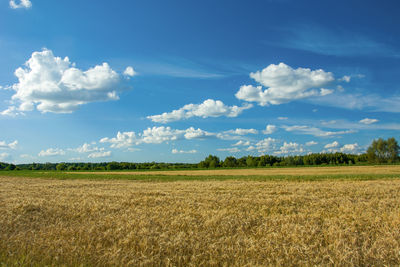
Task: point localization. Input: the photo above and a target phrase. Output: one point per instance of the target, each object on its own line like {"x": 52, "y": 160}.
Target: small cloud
{"x": 324, "y": 92}
{"x": 103, "y": 154}
{"x": 51, "y": 152}
{"x": 242, "y": 143}
{"x": 332, "y": 145}
{"x": 4, "y": 145}
{"x": 176, "y": 151}
{"x": 22, "y": 4}
{"x": 345, "y": 78}
{"x": 130, "y": 72}
{"x": 282, "y": 118}
{"x": 311, "y": 143}
{"x": 270, "y": 129}
{"x": 368, "y": 121}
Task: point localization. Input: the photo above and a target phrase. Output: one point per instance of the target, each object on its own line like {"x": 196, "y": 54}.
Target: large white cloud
{"x": 285, "y": 84}
{"x": 209, "y": 108}
{"x": 53, "y": 84}
{"x": 22, "y": 4}
{"x": 12, "y": 145}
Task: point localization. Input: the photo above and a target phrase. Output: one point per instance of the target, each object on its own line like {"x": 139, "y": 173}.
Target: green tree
{"x": 383, "y": 151}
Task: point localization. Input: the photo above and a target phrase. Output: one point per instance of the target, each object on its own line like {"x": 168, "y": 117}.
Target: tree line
{"x": 379, "y": 152}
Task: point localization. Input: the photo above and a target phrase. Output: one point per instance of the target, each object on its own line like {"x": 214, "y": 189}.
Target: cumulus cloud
{"x": 124, "y": 139}
{"x": 129, "y": 71}
{"x": 350, "y": 148}
{"x": 22, "y": 4}
{"x": 270, "y": 129}
{"x": 52, "y": 84}
{"x": 230, "y": 149}
{"x": 156, "y": 135}
{"x": 100, "y": 154}
{"x": 332, "y": 145}
{"x": 265, "y": 145}
{"x": 4, "y": 145}
{"x": 209, "y": 108}
{"x": 290, "y": 148}
{"x": 303, "y": 129}
{"x": 368, "y": 121}
{"x": 51, "y": 152}
{"x": 176, "y": 151}
{"x": 285, "y": 84}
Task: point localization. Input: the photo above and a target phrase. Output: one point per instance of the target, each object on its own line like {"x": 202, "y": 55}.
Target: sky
{"x": 177, "y": 80}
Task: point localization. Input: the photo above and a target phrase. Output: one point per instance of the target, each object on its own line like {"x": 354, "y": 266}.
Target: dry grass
{"x": 197, "y": 223}
{"x": 334, "y": 170}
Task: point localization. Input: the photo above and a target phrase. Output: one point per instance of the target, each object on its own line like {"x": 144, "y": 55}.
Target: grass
{"x": 75, "y": 219}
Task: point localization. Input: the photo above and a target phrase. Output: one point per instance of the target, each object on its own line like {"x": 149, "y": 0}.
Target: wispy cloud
{"x": 330, "y": 42}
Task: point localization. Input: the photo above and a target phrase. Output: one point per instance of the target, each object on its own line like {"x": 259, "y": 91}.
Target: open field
{"x": 194, "y": 223}
{"x": 302, "y": 171}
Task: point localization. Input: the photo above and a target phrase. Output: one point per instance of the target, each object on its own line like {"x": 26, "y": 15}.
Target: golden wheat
{"x": 334, "y": 170}
{"x": 199, "y": 223}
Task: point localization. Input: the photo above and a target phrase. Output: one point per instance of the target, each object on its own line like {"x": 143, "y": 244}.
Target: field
{"x": 223, "y": 220}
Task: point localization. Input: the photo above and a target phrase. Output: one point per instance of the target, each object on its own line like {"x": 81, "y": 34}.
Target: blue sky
{"x": 175, "y": 81}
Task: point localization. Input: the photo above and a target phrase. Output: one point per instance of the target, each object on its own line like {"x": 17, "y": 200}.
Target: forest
{"x": 379, "y": 152}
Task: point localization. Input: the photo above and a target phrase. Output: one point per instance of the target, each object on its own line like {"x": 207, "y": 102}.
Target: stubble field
{"x": 196, "y": 223}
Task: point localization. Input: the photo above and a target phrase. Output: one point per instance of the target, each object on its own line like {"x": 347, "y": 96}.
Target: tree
{"x": 61, "y": 166}
{"x": 383, "y": 151}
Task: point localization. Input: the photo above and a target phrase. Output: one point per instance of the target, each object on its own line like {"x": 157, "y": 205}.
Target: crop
{"x": 197, "y": 223}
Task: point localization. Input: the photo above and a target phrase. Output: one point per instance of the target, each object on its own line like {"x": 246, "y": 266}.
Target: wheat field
{"x": 199, "y": 223}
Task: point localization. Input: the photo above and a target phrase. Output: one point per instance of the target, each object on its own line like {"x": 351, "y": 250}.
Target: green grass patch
{"x": 167, "y": 178}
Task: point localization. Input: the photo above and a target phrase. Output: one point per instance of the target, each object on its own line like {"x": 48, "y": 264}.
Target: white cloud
{"x": 314, "y": 131}
{"x": 124, "y": 139}
{"x": 209, "y": 108}
{"x": 242, "y": 143}
{"x": 240, "y": 131}
{"x": 368, "y": 121}
{"x": 100, "y": 154}
{"x": 51, "y": 152}
{"x": 265, "y": 145}
{"x": 22, "y": 4}
{"x": 230, "y": 150}
{"x": 270, "y": 129}
{"x": 130, "y": 72}
{"x": 52, "y": 84}
{"x": 332, "y": 145}
{"x": 192, "y": 133}
{"x": 345, "y": 78}
{"x": 284, "y": 84}
{"x": 86, "y": 148}
{"x": 5, "y": 157}
{"x": 176, "y": 151}
{"x": 4, "y": 145}
{"x": 324, "y": 92}
{"x": 158, "y": 135}
{"x": 350, "y": 148}
{"x": 283, "y": 118}
{"x": 311, "y": 143}
{"x": 290, "y": 148}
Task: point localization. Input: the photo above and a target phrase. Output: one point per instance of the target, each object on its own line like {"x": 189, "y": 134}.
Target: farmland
{"x": 230, "y": 218}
